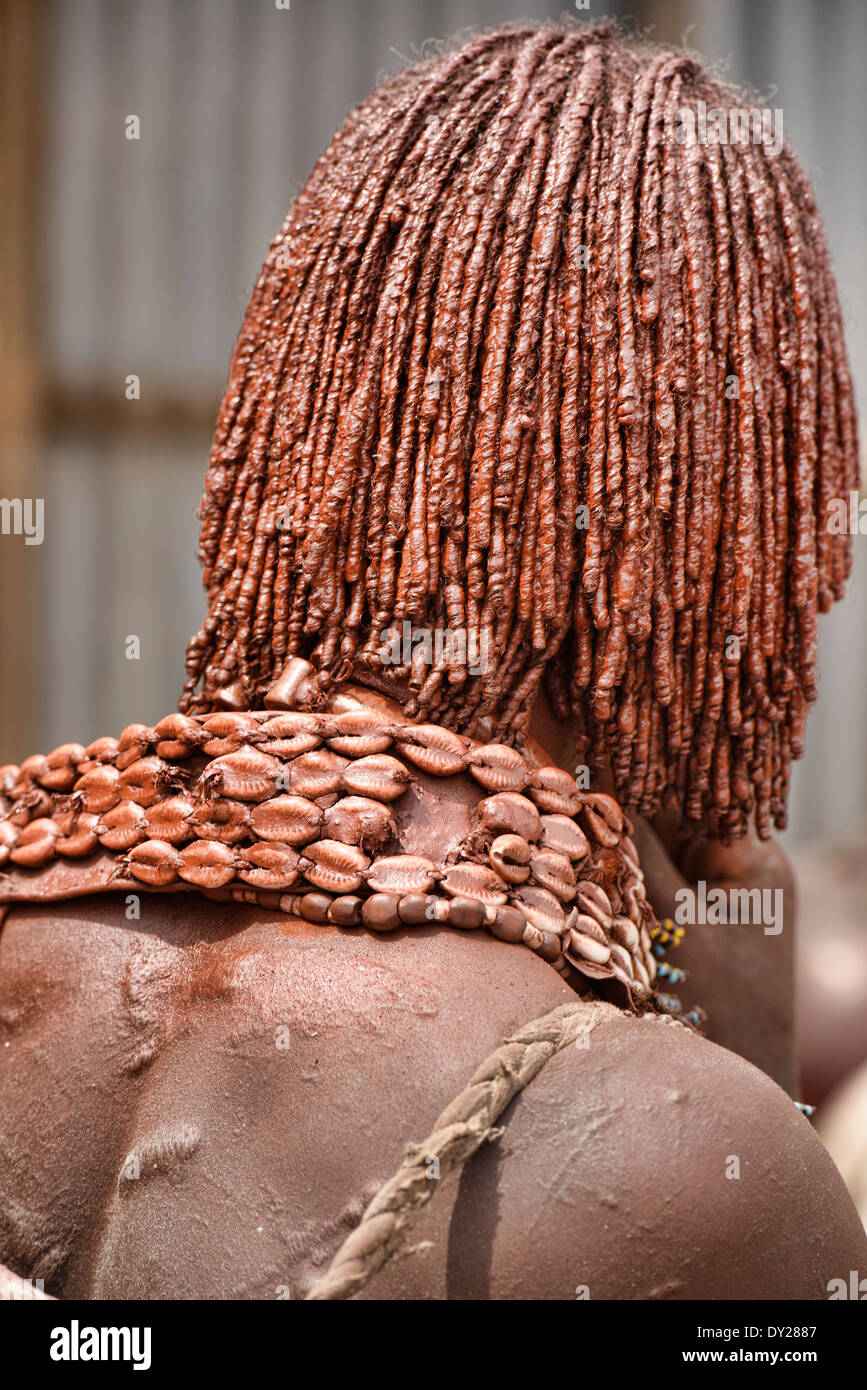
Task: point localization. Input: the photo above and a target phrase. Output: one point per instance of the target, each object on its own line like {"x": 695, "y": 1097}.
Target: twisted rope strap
{"x": 462, "y": 1128}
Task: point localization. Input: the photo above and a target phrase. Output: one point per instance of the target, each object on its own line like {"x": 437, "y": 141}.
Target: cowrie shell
{"x": 594, "y": 901}
{"x": 553, "y": 790}
{"x": 123, "y": 826}
{"x": 563, "y": 834}
{"x": 607, "y": 808}
{"x": 475, "y": 881}
{"x": 588, "y": 948}
{"x": 133, "y": 744}
{"x": 270, "y": 865}
{"x": 379, "y": 776}
{"x": 82, "y": 839}
{"x": 248, "y": 775}
{"x": 554, "y": 872}
{"x": 154, "y": 862}
{"x": 316, "y": 774}
{"x": 541, "y": 908}
{"x": 35, "y": 845}
{"x": 626, "y": 933}
{"x": 510, "y": 857}
{"x": 177, "y": 735}
{"x": 294, "y": 820}
{"x": 435, "y": 750}
{"x": 599, "y": 829}
{"x": 359, "y": 820}
{"x": 170, "y": 820}
{"x": 207, "y": 863}
{"x": 100, "y": 788}
{"x": 402, "y": 873}
{"x": 291, "y": 734}
{"x": 509, "y": 812}
{"x": 498, "y": 767}
{"x": 144, "y": 780}
{"x": 359, "y": 733}
{"x": 335, "y": 867}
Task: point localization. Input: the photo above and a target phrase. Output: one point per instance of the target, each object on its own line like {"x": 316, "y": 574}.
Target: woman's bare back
{"x": 201, "y": 1103}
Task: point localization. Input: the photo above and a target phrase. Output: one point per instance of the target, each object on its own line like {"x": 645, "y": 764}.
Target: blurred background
{"x": 135, "y": 257}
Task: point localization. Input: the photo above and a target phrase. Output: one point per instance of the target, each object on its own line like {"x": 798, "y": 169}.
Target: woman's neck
{"x": 551, "y": 740}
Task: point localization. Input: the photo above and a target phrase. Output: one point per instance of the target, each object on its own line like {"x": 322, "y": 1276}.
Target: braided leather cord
{"x": 462, "y": 1128}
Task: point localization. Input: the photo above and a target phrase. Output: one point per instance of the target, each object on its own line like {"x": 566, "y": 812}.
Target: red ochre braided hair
{"x": 530, "y": 360}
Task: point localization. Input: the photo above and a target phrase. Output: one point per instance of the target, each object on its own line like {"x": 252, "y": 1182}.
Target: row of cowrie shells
{"x": 586, "y": 936}
{"x": 253, "y": 776}
{"x": 139, "y": 762}
{"x": 327, "y": 864}
{"x": 295, "y": 820}
{"x": 133, "y": 799}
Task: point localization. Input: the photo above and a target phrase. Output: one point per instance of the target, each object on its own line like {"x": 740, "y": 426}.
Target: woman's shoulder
{"x": 648, "y": 1163}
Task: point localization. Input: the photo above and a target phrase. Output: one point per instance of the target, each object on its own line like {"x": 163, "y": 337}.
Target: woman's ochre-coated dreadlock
{"x": 485, "y": 385}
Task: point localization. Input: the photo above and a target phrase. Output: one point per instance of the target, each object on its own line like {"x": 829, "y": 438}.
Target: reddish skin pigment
{"x": 159, "y": 1038}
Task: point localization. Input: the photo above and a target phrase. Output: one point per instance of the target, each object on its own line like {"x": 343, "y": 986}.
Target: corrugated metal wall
{"x": 151, "y": 247}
